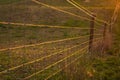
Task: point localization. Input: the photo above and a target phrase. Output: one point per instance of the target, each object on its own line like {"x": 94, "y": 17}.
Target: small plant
{"x": 32, "y": 37}
{"x": 2, "y": 26}
{"x": 65, "y": 34}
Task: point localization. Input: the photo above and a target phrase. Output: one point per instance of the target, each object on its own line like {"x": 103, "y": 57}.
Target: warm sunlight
{"x": 59, "y": 39}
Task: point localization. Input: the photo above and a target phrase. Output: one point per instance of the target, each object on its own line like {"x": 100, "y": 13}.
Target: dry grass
{"x": 28, "y": 12}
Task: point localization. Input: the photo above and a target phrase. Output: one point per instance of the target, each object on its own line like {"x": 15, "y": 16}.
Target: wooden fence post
{"x": 92, "y": 24}
{"x": 107, "y": 34}
{"x": 104, "y": 31}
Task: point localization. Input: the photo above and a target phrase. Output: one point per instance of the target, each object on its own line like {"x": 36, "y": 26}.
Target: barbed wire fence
{"x": 70, "y": 54}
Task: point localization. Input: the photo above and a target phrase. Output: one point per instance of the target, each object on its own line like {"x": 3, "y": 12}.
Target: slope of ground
{"x": 29, "y": 12}
{"x": 96, "y": 67}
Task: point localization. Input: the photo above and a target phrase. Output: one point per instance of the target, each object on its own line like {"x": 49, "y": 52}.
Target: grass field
{"x": 96, "y": 67}
{"x": 17, "y": 36}
{"x": 8, "y": 1}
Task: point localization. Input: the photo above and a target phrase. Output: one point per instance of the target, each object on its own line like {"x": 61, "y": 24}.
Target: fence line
{"x": 115, "y": 13}
{"x": 38, "y": 44}
{"x": 83, "y": 9}
{"x": 26, "y": 78}
{"x": 79, "y": 7}
{"x": 107, "y": 33}
{"x": 65, "y": 66}
{"x": 61, "y": 40}
{"x": 52, "y": 7}
{"x": 47, "y": 42}
{"x": 39, "y": 59}
{"x": 54, "y": 63}
{"x": 43, "y": 26}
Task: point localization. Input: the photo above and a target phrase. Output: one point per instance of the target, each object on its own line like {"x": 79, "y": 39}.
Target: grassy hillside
{"x": 29, "y": 12}
{"x": 97, "y": 3}
{"x": 21, "y": 35}
{"x": 9, "y": 1}
{"x": 92, "y": 66}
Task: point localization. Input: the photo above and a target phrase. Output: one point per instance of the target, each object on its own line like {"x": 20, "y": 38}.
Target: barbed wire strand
{"x": 65, "y": 66}
{"x": 26, "y": 78}
{"x": 82, "y": 8}
{"x": 79, "y": 7}
{"x": 88, "y": 11}
{"x": 42, "y": 26}
{"x": 52, "y": 7}
{"x": 39, "y": 59}
{"x": 47, "y": 42}
{"x": 47, "y": 67}
{"x": 115, "y": 13}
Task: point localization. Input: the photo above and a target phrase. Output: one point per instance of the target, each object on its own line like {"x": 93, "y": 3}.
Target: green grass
{"x": 76, "y": 23}
{"x": 98, "y": 3}
{"x": 56, "y": 2}
{"x": 20, "y": 35}
{"x": 108, "y": 69}
{"x": 107, "y": 66}
{"x": 8, "y": 1}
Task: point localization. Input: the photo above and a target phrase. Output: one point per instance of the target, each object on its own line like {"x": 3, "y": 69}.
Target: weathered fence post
{"x": 92, "y": 24}
{"x": 107, "y": 35}
{"x": 104, "y": 31}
